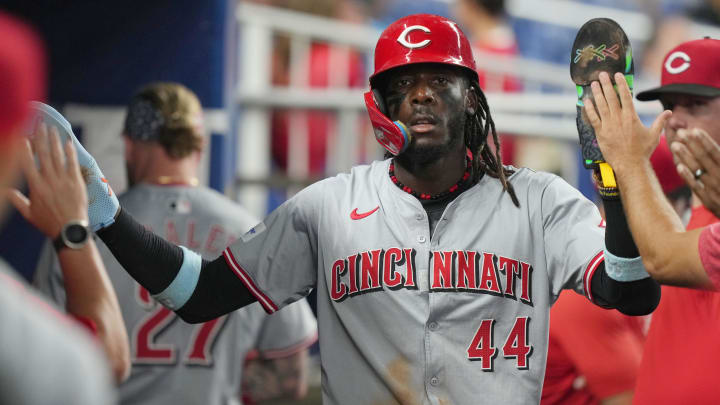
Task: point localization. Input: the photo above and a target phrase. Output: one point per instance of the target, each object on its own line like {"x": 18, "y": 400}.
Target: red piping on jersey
{"x": 289, "y": 351}
{"x": 590, "y": 271}
{"x": 88, "y": 323}
{"x": 266, "y": 302}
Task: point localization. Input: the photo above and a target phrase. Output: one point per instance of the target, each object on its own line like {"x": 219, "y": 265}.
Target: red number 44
{"x": 516, "y": 345}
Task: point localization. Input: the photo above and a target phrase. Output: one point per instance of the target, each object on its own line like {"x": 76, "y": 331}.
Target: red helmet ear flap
{"x": 392, "y": 135}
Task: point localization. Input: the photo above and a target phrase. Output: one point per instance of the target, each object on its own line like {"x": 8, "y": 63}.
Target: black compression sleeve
{"x": 149, "y": 259}
{"x": 154, "y": 262}
{"x": 218, "y": 292}
{"x": 618, "y": 239}
{"x": 639, "y": 297}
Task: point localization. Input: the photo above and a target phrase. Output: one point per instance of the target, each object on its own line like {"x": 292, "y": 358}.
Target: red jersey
{"x": 679, "y": 364}
{"x": 709, "y": 249}
{"x": 593, "y": 353}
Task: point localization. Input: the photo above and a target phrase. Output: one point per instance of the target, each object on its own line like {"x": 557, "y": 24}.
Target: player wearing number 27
{"x": 173, "y": 362}
{"x": 435, "y": 269}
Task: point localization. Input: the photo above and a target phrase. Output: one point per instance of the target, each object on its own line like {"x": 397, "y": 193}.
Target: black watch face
{"x": 76, "y": 233}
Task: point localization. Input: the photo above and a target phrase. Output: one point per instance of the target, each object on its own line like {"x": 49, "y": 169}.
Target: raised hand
{"x": 622, "y": 137}
{"x": 56, "y": 187}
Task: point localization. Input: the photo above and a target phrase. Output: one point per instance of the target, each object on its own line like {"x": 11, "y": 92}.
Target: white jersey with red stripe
{"x": 174, "y": 362}
{"x": 405, "y": 316}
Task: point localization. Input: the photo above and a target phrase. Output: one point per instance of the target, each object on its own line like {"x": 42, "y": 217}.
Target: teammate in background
{"x": 435, "y": 269}
{"x": 174, "y": 362}
{"x": 46, "y": 357}
{"x": 684, "y": 330}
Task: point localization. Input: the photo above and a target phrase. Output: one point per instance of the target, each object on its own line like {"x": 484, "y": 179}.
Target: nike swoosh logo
{"x": 355, "y": 216}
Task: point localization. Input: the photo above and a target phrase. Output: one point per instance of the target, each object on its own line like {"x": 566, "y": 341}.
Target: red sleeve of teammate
{"x": 709, "y": 248}
{"x": 604, "y": 346}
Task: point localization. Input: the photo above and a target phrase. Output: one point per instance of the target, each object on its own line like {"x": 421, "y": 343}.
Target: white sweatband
{"x": 624, "y": 269}
{"x": 181, "y": 289}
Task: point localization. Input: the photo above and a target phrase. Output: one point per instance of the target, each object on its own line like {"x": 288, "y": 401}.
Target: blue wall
{"x": 100, "y": 53}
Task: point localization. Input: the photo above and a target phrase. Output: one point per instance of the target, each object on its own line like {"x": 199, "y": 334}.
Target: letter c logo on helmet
{"x": 402, "y": 38}
{"x": 677, "y": 69}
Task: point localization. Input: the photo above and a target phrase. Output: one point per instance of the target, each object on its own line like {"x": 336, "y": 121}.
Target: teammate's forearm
{"x": 668, "y": 251}
{"x": 149, "y": 259}
{"x": 90, "y": 295}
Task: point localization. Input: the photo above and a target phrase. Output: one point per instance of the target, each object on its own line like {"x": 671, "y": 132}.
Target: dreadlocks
{"x": 477, "y": 128}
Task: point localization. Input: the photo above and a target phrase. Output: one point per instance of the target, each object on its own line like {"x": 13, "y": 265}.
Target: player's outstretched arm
{"x": 57, "y": 197}
{"x": 197, "y": 290}
{"x": 670, "y": 254}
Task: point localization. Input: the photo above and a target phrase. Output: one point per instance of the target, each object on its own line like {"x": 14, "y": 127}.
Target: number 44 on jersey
{"x": 482, "y": 347}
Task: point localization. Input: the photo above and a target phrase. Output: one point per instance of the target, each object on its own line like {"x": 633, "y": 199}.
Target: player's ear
{"x": 128, "y": 143}
{"x": 471, "y": 100}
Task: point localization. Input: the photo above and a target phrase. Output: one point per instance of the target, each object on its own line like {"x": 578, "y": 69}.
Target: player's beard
{"x": 422, "y": 155}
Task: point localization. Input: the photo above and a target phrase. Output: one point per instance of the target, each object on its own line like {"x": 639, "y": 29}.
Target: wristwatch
{"x": 74, "y": 235}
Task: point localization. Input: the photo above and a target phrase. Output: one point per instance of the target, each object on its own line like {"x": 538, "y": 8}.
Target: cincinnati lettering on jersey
{"x": 369, "y": 271}
{"x": 481, "y": 272}
{"x": 450, "y": 271}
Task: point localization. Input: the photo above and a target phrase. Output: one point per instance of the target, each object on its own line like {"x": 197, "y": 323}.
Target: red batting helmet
{"x": 422, "y": 38}
{"x": 418, "y": 38}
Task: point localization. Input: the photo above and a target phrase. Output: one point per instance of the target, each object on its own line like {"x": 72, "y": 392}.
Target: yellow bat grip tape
{"x": 607, "y": 175}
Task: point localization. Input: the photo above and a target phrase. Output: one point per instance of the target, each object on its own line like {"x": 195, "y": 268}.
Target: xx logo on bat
{"x": 600, "y": 53}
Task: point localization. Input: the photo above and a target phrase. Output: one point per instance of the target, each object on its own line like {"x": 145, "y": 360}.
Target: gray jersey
{"x": 45, "y": 357}
{"x": 456, "y": 317}
{"x": 174, "y": 362}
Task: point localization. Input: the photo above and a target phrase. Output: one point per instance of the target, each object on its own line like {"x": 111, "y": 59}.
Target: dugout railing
{"x": 531, "y": 113}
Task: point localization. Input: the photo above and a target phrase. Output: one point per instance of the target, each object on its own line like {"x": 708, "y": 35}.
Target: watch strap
{"x": 59, "y": 243}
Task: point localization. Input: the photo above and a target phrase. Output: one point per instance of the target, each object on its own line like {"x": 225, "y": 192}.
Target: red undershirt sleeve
{"x": 709, "y": 249}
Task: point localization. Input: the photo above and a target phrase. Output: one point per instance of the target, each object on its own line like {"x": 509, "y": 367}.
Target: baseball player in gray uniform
{"x": 435, "y": 269}
{"x": 174, "y": 362}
